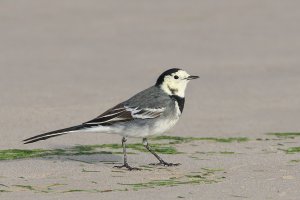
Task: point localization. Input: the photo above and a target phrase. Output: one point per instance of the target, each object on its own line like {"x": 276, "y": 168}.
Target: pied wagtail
{"x": 150, "y": 112}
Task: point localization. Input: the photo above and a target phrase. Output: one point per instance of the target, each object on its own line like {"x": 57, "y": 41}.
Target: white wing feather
{"x": 145, "y": 113}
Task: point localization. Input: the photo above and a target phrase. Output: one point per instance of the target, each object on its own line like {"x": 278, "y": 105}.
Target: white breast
{"x": 161, "y": 125}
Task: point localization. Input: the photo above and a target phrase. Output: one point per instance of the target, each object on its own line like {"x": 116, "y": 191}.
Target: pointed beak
{"x": 192, "y": 77}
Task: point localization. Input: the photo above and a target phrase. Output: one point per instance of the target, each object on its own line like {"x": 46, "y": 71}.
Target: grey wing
{"x": 123, "y": 113}
{"x": 152, "y": 97}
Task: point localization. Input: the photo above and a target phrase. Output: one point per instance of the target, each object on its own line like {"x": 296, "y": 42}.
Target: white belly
{"x": 159, "y": 128}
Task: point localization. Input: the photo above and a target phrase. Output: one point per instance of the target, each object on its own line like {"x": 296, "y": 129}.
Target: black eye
{"x": 176, "y": 77}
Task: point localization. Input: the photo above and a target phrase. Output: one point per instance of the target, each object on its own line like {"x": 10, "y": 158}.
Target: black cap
{"x": 161, "y": 78}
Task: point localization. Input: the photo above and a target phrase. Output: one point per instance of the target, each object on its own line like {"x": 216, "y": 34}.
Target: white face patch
{"x": 175, "y": 84}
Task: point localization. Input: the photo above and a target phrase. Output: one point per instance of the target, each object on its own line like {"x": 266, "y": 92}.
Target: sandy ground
{"x": 64, "y": 62}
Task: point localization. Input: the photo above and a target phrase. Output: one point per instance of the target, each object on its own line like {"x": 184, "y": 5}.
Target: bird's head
{"x": 174, "y": 81}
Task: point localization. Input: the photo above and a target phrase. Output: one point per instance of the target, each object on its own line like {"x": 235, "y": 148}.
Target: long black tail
{"x": 51, "y": 134}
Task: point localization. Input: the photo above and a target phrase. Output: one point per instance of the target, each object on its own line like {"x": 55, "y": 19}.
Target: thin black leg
{"x": 125, "y": 157}
{"x": 161, "y": 161}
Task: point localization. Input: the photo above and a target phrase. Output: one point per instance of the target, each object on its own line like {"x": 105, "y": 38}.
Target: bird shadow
{"x": 101, "y": 157}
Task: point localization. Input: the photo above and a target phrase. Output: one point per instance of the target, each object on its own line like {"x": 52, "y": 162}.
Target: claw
{"x": 166, "y": 164}
{"x": 127, "y": 167}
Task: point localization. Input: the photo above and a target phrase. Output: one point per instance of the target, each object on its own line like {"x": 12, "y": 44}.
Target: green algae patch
{"x": 179, "y": 140}
{"x": 84, "y": 170}
{"x": 49, "y": 189}
{"x": 290, "y": 135}
{"x": 164, "y": 149}
{"x": 295, "y": 161}
{"x": 173, "y": 139}
{"x": 205, "y": 176}
{"x": 215, "y": 152}
{"x": 12, "y": 154}
{"x": 166, "y": 145}
{"x": 227, "y": 140}
{"x": 291, "y": 150}
{"x": 28, "y": 187}
{"x": 159, "y": 148}
{"x": 227, "y": 152}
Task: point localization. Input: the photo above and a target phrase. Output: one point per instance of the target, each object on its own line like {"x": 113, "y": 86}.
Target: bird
{"x": 148, "y": 113}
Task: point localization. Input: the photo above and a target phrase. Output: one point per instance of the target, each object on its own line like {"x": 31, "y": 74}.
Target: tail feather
{"x": 55, "y": 133}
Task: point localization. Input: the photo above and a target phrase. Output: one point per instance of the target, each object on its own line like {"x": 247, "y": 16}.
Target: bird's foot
{"x": 127, "y": 167}
{"x": 163, "y": 163}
